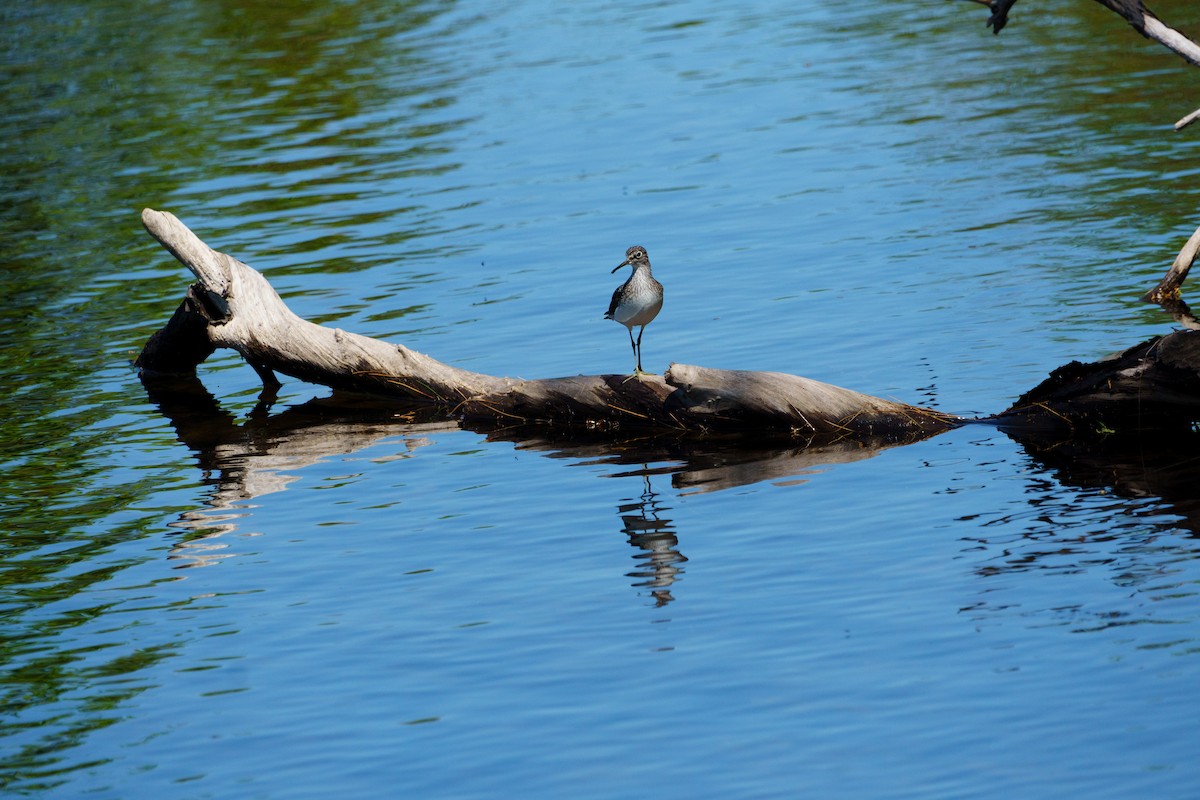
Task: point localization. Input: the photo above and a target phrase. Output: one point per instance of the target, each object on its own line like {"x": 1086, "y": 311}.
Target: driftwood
{"x": 233, "y": 306}
{"x": 1155, "y": 384}
{"x": 1139, "y": 17}
{"x": 1152, "y": 386}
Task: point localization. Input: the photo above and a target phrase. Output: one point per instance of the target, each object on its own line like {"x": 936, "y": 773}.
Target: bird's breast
{"x": 641, "y": 300}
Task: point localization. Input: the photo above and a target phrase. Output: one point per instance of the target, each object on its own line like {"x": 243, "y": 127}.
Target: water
{"x": 206, "y": 599}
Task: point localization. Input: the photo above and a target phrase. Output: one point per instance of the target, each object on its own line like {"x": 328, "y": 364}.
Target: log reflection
{"x": 698, "y": 465}
{"x": 243, "y": 459}
{"x": 262, "y": 454}
{"x": 1124, "y": 509}
{"x": 1136, "y": 465}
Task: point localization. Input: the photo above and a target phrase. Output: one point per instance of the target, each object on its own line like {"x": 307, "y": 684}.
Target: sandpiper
{"x": 637, "y": 301}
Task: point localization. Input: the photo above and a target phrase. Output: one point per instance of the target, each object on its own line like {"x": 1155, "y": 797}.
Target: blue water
{"x": 213, "y": 601}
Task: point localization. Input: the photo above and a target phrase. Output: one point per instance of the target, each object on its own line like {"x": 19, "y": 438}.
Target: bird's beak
{"x": 622, "y": 264}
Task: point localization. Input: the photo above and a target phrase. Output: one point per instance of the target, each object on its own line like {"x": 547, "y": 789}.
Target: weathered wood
{"x": 706, "y": 399}
{"x": 240, "y": 310}
{"x": 723, "y": 399}
{"x": 1144, "y": 21}
{"x": 243, "y": 312}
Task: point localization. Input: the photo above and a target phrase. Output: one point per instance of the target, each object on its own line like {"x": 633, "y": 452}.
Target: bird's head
{"x": 634, "y": 257}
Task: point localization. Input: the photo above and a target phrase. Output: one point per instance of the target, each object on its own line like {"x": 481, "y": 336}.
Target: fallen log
{"x": 1153, "y": 385}
{"x": 233, "y": 306}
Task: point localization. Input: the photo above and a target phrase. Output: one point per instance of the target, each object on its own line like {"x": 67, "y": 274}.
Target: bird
{"x": 637, "y": 301}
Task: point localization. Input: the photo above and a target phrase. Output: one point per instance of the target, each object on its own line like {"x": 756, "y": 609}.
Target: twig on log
{"x": 1188, "y": 120}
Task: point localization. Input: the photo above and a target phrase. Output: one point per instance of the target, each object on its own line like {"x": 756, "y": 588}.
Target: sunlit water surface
{"x": 312, "y": 602}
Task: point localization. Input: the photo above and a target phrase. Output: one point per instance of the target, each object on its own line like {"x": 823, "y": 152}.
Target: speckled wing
{"x": 612, "y": 306}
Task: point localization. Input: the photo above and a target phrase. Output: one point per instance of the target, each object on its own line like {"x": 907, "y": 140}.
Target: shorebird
{"x": 637, "y": 301}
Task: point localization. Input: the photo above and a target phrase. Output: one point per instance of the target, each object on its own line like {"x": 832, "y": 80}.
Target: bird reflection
{"x": 654, "y": 535}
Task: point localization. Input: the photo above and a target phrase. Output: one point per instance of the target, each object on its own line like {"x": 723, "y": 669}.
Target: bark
{"x": 182, "y": 344}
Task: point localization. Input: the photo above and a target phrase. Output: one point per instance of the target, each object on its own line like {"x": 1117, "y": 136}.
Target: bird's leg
{"x": 641, "y": 330}
{"x": 637, "y": 358}
{"x": 637, "y": 349}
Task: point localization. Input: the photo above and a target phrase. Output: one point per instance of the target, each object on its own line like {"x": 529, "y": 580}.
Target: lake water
{"x": 206, "y": 599}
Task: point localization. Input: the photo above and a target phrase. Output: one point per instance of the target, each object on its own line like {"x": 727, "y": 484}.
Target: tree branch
{"x": 1139, "y": 17}
{"x": 1168, "y": 288}
{"x": 1144, "y": 21}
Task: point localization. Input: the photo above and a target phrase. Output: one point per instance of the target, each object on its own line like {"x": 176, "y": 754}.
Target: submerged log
{"x": 233, "y": 306}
